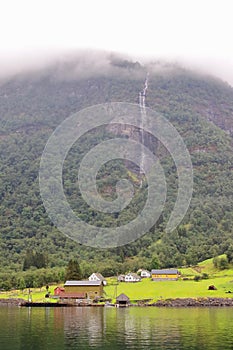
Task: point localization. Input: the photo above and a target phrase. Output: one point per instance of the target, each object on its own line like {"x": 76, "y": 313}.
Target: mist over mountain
{"x": 34, "y": 103}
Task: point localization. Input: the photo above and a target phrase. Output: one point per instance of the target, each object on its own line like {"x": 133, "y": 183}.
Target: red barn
{"x": 59, "y": 290}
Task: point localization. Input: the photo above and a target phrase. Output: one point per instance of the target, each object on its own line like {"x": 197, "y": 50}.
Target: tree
{"x": 155, "y": 263}
{"x": 223, "y": 263}
{"x": 73, "y": 270}
{"x": 28, "y": 260}
{"x": 34, "y": 259}
{"x": 216, "y": 261}
{"x": 220, "y": 263}
{"x": 39, "y": 260}
{"x": 229, "y": 253}
{"x": 22, "y": 284}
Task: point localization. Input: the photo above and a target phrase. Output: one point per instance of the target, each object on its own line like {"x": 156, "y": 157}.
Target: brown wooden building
{"x": 165, "y": 274}
{"x": 89, "y": 289}
{"x": 122, "y": 300}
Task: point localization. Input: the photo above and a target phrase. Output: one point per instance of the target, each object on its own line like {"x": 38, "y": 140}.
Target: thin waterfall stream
{"x": 142, "y": 104}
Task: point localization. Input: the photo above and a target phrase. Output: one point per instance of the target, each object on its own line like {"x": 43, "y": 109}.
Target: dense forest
{"x": 32, "y": 105}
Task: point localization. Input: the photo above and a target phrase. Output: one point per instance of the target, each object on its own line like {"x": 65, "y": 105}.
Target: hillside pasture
{"x": 155, "y": 290}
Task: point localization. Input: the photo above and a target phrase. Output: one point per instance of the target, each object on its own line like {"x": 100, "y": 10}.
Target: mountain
{"x": 33, "y": 104}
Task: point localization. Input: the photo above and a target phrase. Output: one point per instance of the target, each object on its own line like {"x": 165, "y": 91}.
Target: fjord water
{"x": 112, "y": 328}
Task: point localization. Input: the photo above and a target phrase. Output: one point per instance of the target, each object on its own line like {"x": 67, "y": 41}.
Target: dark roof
{"x": 165, "y": 272}
{"x": 122, "y": 297}
{"x": 82, "y": 283}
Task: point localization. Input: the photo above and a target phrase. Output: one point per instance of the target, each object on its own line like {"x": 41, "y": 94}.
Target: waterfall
{"x": 142, "y": 104}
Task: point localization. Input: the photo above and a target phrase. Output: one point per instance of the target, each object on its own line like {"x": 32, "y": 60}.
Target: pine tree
{"x": 39, "y": 260}
{"x": 28, "y": 260}
{"x": 73, "y": 271}
{"x": 34, "y": 259}
{"x": 155, "y": 263}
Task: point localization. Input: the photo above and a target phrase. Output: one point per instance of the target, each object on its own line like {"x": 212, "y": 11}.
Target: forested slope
{"x": 33, "y": 104}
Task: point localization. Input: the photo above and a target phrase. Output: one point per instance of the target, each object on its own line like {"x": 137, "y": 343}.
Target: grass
{"x": 208, "y": 267}
{"x": 147, "y": 289}
{"x": 37, "y": 294}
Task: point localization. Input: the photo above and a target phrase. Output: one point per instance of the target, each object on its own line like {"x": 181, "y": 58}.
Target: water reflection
{"x": 112, "y": 328}
{"x": 83, "y": 327}
{"x": 148, "y": 328}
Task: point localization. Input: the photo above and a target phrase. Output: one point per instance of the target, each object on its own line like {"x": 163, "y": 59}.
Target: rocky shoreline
{"x": 194, "y": 302}
{"x": 178, "y": 302}
{"x": 11, "y": 301}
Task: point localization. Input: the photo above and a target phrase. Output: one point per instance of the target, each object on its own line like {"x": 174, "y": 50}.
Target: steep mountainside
{"x": 32, "y": 105}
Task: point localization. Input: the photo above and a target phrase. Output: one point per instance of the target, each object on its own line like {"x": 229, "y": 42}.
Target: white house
{"x": 96, "y": 276}
{"x": 132, "y": 277}
{"x": 145, "y": 274}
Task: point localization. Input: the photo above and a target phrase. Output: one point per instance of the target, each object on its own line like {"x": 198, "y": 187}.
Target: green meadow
{"x": 37, "y": 294}
{"x": 147, "y": 289}
{"x": 185, "y": 287}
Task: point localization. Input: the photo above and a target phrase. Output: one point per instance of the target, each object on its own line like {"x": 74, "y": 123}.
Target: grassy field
{"x": 172, "y": 289}
{"x": 206, "y": 266}
{"x": 147, "y": 289}
{"x": 37, "y": 294}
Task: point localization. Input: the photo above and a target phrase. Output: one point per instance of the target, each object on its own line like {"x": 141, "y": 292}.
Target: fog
{"x": 195, "y": 34}
{"x": 73, "y": 64}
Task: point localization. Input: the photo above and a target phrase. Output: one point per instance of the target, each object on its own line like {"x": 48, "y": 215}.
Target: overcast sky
{"x": 197, "y": 32}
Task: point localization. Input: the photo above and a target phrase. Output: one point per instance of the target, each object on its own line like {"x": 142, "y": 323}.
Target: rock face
{"x": 194, "y": 302}
{"x": 135, "y": 134}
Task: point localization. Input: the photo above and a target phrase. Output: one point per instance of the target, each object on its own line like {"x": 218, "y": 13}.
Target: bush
{"x": 197, "y": 278}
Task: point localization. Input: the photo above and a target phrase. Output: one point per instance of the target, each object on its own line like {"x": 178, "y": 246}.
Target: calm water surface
{"x": 110, "y": 328}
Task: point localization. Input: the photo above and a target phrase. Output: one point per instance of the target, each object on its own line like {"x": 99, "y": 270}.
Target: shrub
{"x": 197, "y": 278}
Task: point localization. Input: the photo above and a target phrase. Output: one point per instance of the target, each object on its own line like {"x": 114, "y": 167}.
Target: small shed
{"x": 122, "y": 300}
{"x": 121, "y": 278}
{"x": 59, "y": 290}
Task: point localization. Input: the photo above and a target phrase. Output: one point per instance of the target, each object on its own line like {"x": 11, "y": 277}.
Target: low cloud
{"x": 86, "y": 63}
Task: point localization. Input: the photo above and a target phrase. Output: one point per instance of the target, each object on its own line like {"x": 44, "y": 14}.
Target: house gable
{"x": 96, "y": 276}
{"x": 132, "y": 277}
{"x": 145, "y": 273}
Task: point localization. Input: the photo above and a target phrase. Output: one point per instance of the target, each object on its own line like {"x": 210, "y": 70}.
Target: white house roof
{"x": 134, "y": 275}
{"x": 98, "y": 275}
